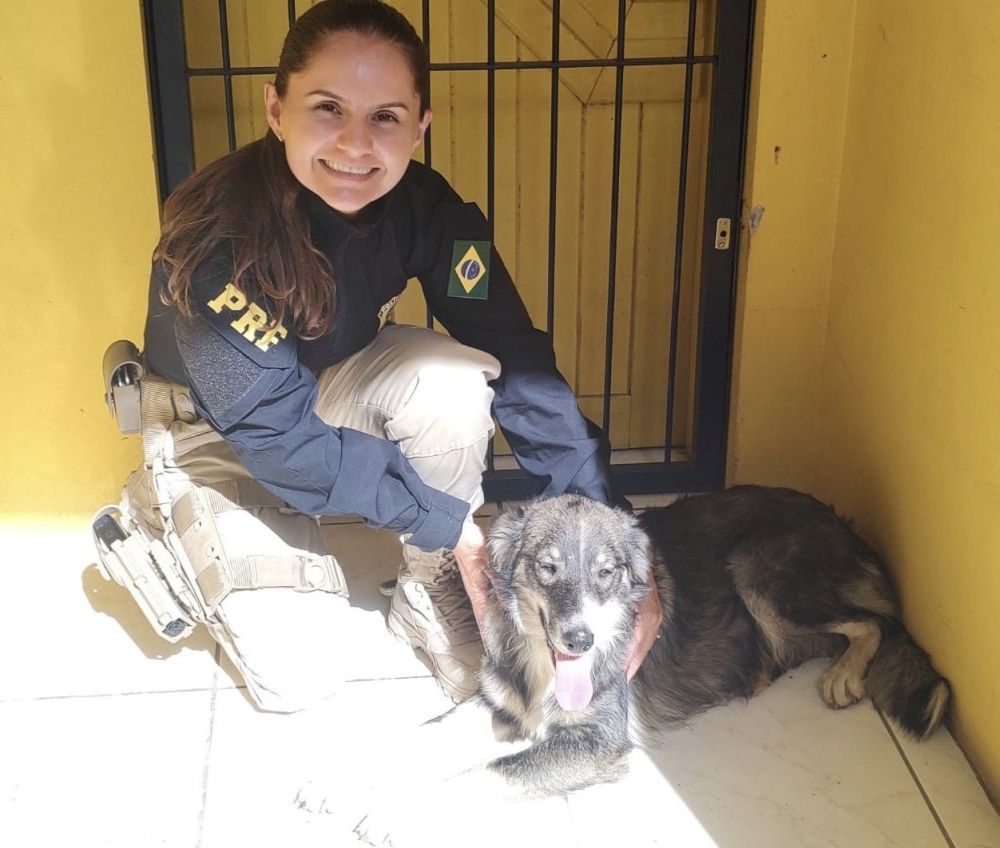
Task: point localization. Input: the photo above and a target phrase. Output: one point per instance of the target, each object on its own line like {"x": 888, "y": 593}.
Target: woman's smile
{"x": 342, "y": 170}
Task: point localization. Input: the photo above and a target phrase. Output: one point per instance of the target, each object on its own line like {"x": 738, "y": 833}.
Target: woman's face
{"x": 350, "y": 120}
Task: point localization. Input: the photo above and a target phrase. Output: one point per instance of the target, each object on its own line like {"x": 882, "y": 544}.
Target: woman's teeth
{"x": 346, "y": 169}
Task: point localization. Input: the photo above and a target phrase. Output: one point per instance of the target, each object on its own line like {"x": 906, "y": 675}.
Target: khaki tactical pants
{"x": 418, "y": 388}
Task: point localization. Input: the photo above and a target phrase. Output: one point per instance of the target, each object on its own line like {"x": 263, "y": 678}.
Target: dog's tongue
{"x": 574, "y": 688}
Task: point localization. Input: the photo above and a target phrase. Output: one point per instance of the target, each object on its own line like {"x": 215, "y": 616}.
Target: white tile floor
{"x": 111, "y": 737}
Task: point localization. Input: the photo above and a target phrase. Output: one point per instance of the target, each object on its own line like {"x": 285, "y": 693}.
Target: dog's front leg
{"x": 569, "y": 758}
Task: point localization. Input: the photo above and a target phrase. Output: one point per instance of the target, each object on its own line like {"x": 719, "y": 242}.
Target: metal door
{"x": 604, "y": 139}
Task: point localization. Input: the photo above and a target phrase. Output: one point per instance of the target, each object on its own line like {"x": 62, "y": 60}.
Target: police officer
{"x": 275, "y": 271}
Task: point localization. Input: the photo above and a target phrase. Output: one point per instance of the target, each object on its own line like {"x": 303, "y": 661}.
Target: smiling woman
{"x": 273, "y": 381}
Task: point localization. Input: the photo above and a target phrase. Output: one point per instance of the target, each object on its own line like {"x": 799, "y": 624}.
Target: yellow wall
{"x": 78, "y": 220}
{"x": 800, "y": 79}
{"x": 911, "y": 367}
{"x": 868, "y": 368}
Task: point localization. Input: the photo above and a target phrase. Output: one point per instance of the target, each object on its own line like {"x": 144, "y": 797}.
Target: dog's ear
{"x": 640, "y": 549}
{"x": 504, "y": 540}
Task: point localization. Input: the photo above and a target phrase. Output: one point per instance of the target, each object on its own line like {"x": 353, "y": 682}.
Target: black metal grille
{"x": 704, "y": 466}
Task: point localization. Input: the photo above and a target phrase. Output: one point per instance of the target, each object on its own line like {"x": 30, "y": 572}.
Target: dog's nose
{"x": 578, "y": 641}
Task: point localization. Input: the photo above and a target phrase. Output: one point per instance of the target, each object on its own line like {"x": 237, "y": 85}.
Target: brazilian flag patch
{"x": 470, "y": 270}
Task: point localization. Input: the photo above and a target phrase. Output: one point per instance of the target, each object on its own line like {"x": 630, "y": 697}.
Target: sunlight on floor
{"x": 111, "y": 736}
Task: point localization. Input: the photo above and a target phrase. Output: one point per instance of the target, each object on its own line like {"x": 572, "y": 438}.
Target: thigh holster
{"x": 182, "y": 578}
{"x": 219, "y": 572}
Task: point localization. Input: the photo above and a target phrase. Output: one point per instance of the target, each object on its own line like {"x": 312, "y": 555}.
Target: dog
{"x": 752, "y": 581}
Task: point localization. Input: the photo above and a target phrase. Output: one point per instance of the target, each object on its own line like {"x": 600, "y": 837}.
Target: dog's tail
{"x": 903, "y": 684}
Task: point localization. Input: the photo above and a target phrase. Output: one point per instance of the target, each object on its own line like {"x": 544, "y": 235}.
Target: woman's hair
{"x": 248, "y": 201}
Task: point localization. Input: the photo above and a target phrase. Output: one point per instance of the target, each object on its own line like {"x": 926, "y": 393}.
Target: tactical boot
{"x": 431, "y": 610}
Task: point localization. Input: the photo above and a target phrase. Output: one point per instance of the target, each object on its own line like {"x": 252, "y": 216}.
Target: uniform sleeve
{"x": 248, "y": 384}
{"x": 472, "y": 295}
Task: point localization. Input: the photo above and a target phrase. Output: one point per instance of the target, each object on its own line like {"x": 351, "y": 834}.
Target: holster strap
{"x": 305, "y": 572}
{"x": 193, "y": 516}
{"x": 163, "y": 403}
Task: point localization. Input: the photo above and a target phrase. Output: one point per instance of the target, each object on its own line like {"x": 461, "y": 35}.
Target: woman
{"x": 272, "y": 280}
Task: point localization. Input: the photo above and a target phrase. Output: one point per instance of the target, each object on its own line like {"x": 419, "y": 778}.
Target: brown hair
{"x": 248, "y": 201}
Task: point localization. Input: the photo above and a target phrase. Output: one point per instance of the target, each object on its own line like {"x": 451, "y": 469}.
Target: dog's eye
{"x": 547, "y": 569}
{"x": 605, "y": 572}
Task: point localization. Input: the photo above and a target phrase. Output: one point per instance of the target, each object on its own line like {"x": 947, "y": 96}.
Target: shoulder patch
{"x": 470, "y": 270}
{"x": 244, "y": 323}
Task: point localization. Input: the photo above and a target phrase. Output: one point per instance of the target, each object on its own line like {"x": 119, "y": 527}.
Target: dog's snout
{"x": 578, "y": 641}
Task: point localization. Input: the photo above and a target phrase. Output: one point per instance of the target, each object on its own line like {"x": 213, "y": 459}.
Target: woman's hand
{"x": 648, "y": 619}
{"x": 470, "y": 553}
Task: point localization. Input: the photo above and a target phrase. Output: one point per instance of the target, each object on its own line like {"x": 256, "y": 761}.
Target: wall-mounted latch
{"x": 723, "y": 227}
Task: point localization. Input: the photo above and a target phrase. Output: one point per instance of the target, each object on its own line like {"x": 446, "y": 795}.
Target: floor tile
{"x": 109, "y": 771}
{"x": 952, "y": 789}
{"x": 781, "y": 770}
{"x": 640, "y": 502}
{"x": 258, "y": 761}
{"x": 75, "y": 633}
{"x": 82, "y": 767}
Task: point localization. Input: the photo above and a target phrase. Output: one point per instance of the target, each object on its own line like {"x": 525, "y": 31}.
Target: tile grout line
{"x": 916, "y": 780}
{"x": 123, "y": 694}
{"x": 572, "y": 821}
{"x": 208, "y": 750}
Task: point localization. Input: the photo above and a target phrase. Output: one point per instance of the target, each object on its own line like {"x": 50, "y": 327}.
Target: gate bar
{"x": 609, "y": 334}
{"x": 675, "y": 303}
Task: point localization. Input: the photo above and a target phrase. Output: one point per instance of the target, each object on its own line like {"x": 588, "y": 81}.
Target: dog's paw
{"x": 841, "y": 687}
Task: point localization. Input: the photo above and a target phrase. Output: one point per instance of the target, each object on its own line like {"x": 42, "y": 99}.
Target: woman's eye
{"x": 386, "y": 118}
{"x": 332, "y": 108}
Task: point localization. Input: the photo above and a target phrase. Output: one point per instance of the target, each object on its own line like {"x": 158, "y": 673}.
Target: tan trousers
{"x": 418, "y": 388}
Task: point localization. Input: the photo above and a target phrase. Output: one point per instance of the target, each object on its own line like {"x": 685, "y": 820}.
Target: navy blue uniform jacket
{"x": 257, "y": 386}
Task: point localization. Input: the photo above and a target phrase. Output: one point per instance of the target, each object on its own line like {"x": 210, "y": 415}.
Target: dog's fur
{"x": 752, "y": 581}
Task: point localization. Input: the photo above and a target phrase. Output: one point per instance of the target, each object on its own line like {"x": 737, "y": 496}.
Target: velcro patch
{"x": 245, "y": 324}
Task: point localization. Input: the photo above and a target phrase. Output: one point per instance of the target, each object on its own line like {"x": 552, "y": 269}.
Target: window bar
{"x": 291, "y": 13}
{"x": 520, "y": 65}
{"x": 425, "y": 12}
{"x": 491, "y": 44}
{"x": 545, "y": 64}
{"x": 675, "y": 303}
{"x": 613, "y": 240}
{"x": 170, "y": 95}
{"x": 227, "y": 78}
{"x": 491, "y": 37}
{"x": 553, "y": 171}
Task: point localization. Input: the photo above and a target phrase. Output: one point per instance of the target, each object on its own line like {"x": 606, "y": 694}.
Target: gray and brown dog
{"x": 752, "y": 581}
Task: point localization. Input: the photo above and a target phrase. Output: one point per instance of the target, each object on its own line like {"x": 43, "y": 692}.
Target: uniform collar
{"x": 333, "y": 221}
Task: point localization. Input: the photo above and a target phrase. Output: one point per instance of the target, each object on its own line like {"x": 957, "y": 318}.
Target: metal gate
{"x": 665, "y": 288}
